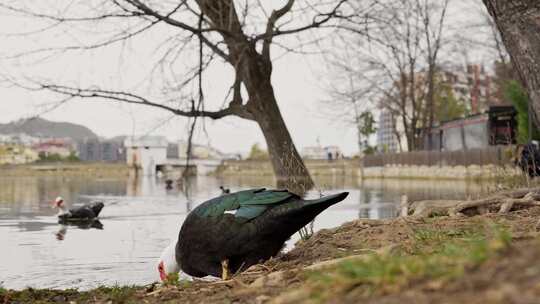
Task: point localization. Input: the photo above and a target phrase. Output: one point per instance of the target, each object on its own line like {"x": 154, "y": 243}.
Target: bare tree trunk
{"x": 519, "y": 24}
{"x": 288, "y": 166}
{"x": 254, "y": 70}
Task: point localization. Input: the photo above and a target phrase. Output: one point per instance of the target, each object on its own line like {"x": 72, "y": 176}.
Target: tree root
{"x": 502, "y": 202}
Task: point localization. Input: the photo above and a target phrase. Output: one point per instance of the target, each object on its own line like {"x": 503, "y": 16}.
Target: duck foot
{"x": 225, "y": 270}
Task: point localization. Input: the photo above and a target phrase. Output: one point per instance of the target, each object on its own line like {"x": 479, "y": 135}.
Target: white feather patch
{"x": 233, "y": 212}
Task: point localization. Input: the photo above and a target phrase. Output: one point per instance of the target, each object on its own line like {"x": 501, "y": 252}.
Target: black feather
{"x": 210, "y": 234}
{"x": 83, "y": 213}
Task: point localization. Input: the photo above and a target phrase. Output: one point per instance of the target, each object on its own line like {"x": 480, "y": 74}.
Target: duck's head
{"x": 59, "y": 202}
{"x": 167, "y": 262}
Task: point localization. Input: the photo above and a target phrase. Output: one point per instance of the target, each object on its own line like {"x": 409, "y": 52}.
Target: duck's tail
{"x": 96, "y": 207}
{"x": 328, "y": 200}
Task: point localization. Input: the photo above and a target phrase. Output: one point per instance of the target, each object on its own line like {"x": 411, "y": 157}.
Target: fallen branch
{"x": 502, "y": 202}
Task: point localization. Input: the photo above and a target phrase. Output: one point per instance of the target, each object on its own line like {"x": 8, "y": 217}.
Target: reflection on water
{"x": 63, "y": 227}
{"x": 140, "y": 218}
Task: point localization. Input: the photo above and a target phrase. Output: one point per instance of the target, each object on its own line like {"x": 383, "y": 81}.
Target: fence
{"x": 494, "y": 155}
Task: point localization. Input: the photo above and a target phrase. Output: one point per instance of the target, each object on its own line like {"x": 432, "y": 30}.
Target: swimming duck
{"x": 84, "y": 213}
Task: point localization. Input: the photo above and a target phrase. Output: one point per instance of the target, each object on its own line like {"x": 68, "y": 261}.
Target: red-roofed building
{"x": 57, "y": 146}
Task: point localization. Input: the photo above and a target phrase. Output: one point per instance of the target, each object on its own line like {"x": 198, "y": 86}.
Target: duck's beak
{"x": 161, "y": 269}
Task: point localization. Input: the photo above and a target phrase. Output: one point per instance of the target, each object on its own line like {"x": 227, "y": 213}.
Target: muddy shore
{"x": 490, "y": 258}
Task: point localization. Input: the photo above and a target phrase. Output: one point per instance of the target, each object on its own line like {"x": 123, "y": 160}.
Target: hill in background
{"x": 39, "y": 127}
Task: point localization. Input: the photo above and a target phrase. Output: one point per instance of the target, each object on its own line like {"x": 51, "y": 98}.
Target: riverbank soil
{"x": 488, "y": 258}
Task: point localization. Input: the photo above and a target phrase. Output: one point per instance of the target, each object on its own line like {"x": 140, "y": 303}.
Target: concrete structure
{"x": 146, "y": 152}
{"x": 149, "y": 155}
{"x": 317, "y": 168}
{"x": 441, "y": 172}
{"x": 174, "y": 167}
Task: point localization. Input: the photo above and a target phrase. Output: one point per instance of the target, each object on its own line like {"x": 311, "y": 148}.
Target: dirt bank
{"x": 490, "y": 258}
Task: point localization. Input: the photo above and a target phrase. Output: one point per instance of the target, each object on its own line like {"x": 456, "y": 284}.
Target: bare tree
{"x": 346, "y": 103}
{"x": 241, "y": 34}
{"x": 397, "y": 60}
{"x": 519, "y": 25}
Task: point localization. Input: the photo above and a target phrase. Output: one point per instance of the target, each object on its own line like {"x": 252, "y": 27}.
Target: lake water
{"x": 141, "y": 217}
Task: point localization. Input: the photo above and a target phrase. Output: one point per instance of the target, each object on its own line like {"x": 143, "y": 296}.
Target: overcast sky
{"x": 298, "y": 82}
{"x": 297, "y": 91}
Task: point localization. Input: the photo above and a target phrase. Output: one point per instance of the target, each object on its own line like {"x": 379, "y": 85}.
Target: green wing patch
{"x": 217, "y": 206}
{"x": 248, "y": 203}
{"x": 268, "y": 197}
{"x": 260, "y": 202}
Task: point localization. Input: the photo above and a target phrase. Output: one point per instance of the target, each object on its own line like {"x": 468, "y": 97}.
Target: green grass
{"x": 173, "y": 279}
{"x": 437, "y": 255}
{"x": 115, "y": 294}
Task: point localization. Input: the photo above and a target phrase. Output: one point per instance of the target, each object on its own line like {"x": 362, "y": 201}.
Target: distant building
{"x": 319, "y": 152}
{"x": 388, "y": 130}
{"x": 19, "y": 139}
{"x": 89, "y": 150}
{"x": 172, "y": 151}
{"x": 101, "y": 150}
{"x": 497, "y": 126}
{"x": 146, "y": 152}
{"x": 17, "y": 154}
{"x": 49, "y": 147}
{"x": 472, "y": 86}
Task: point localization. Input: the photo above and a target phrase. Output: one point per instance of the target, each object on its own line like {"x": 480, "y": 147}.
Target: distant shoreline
{"x": 94, "y": 169}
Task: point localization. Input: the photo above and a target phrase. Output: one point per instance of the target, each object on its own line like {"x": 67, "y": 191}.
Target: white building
{"x": 318, "y": 152}
{"x": 387, "y": 140}
{"x": 146, "y": 152}
{"x": 19, "y": 139}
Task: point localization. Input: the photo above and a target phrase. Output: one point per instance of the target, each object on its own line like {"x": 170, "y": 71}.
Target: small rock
{"x": 537, "y": 226}
{"x": 435, "y": 285}
{"x": 501, "y": 293}
{"x": 262, "y": 299}
{"x": 59, "y": 299}
{"x": 291, "y": 297}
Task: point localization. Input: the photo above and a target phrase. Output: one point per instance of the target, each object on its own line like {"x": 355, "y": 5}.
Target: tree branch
{"x": 272, "y": 31}
{"x": 271, "y": 24}
{"x": 232, "y": 109}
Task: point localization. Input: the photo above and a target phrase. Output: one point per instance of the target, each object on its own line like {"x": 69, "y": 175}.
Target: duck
{"x": 224, "y": 190}
{"x": 232, "y": 232}
{"x": 86, "y": 212}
